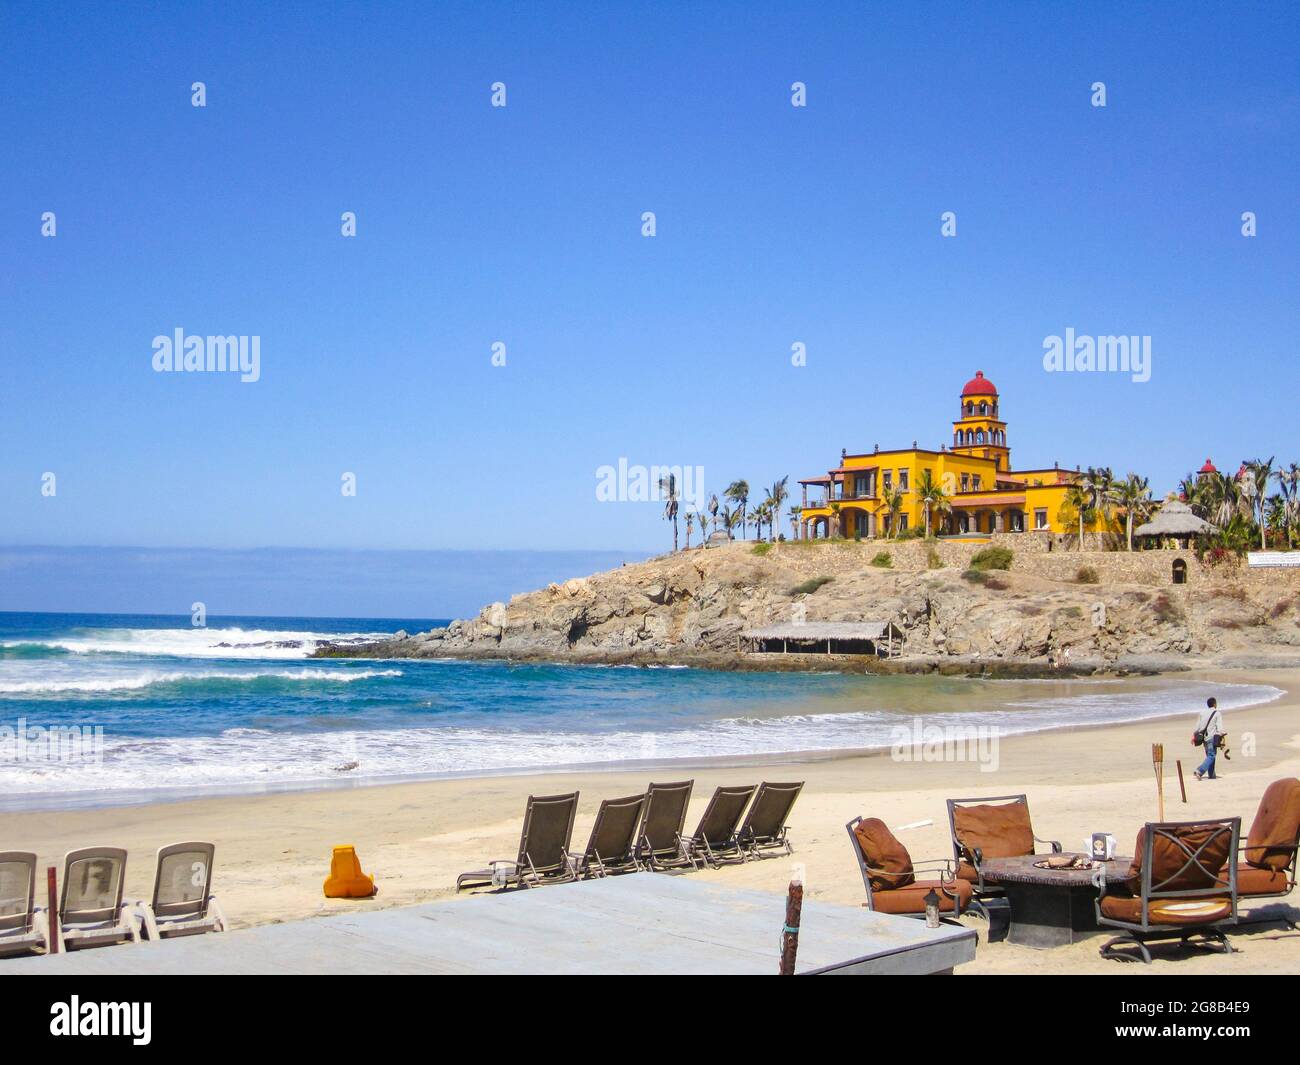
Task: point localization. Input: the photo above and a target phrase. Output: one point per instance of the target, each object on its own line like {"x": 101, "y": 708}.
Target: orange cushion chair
{"x": 889, "y": 875}
{"x": 1179, "y": 884}
{"x": 1270, "y": 850}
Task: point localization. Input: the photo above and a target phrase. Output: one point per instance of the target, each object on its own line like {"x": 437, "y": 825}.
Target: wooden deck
{"x": 642, "y": 923}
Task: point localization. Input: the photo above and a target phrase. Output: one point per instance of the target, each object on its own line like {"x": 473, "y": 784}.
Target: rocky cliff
{"x": 689, "y": 608}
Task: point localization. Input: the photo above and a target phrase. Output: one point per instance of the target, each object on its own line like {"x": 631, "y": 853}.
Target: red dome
{"x": 1208, "y": 467}
{"x": 979, "y": 385}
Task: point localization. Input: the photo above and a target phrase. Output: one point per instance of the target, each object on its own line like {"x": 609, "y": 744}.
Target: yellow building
{"x": 983, "y": 492}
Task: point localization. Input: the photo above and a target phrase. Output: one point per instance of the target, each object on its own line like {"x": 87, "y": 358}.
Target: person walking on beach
{"x": 1210, "y": 728}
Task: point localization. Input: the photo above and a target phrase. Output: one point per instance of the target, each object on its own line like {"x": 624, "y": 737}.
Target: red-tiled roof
{"x": 979, "y": 385}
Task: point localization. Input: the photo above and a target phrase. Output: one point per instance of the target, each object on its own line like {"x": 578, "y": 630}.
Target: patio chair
{"x": 889, "y": 874}
{"x": 91, "y": 910}
{"x": 611, "y": 846}
{"x": 1183, "y": 882}
{"x": 182, "y": 903}
{"x": 715, "y": 841}
{"x": 997, "y": 826}
{"x": 1267, "y": 859}
{"x": 765, "y": 828}
{"x": 24, "y": 926}
{"x": 543, "y": 848}
{"x": 659, "y": 843}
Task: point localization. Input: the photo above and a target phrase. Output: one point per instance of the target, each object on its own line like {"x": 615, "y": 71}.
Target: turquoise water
{"x": 165, "y": 709}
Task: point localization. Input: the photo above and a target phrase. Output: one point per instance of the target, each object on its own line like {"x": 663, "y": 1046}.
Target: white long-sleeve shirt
{"x": 1211, "y": 723}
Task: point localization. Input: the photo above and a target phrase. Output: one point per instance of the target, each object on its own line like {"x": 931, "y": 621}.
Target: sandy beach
{"x": 273, "y": 849}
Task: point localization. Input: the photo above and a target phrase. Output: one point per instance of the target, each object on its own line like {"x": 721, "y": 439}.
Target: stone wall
{"x": 1062, "y": 563}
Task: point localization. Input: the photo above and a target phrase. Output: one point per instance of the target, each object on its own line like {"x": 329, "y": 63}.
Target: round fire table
{"x": 1049, "y": 907}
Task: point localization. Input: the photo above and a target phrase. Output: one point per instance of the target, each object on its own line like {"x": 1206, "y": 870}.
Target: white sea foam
{"x": 200, "y": 642}
{"x": 250, "y": 758}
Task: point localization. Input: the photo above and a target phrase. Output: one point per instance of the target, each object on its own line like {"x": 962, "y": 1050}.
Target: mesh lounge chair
{"x": 91, "y": 910}
{"x": 659, "y": 843}
{"x": 765, "y": 828}
{"x": 543, "y": 848}
{"x": 24, "y": 926}
{"x": 611, "y": 846}
{"x": 889, "y": 875}
{"x": 1268, "y": 857}
{"x": 182, "y": 894}
{"x": 1185, "y": 882}
{"x": 715, "y": 841}
{"x": 994, "y": 827}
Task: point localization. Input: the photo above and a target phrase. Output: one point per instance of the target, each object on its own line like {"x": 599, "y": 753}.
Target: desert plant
{"x": 933, "y": 561}
{"x": 761, "y": 549}
{"x": 1086, "y": 575}
{"x": 811, "y": 585}
{"x": 882, "y": 560}
{"x": 995, "y": 557}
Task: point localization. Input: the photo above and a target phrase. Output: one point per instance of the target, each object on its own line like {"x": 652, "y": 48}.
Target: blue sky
{"x": 521, "y": 224}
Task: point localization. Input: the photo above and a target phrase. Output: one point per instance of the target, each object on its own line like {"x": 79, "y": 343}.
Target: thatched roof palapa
{"x": 1175, "y": 519}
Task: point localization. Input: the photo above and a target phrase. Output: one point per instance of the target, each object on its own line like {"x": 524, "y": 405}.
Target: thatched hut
{"x": 1175, "y": 521}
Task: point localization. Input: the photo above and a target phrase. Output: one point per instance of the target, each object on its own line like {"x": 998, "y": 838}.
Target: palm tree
{"x": 1134, "y": 495}
{"x": 668, "y": 486}
{"x": 835, "y": 523}
{"x": 1102, "y": 482}
{"x": 690, "y": 524}
{"x": 730, "y": 519}
{"x": 1078, "y": 497}
{"x": 703, "y": 520}
{"x": 1254, "y": 489}
{"x": 932, "y": 497}
{"x": 796, "y": 513}
{"x": 713, "y": 510}
{"x": 777, "y": 497}
{"x": 738, "y": 493}
{"x": 893, "y": 500}
{"x": 1288, "y": 481}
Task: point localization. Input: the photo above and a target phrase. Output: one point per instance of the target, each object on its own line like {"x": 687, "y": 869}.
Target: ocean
{"x": 99, "y": 709}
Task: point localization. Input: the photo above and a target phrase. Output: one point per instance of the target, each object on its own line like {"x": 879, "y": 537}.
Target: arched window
{"x": 1180, "y": 571}
{"x": 970, "y": 409}
{"x": 984, "y": 408}
{"x": 979, "y": 437}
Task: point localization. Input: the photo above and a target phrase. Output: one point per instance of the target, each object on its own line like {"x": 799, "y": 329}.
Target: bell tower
{"x": 978, "y": 429}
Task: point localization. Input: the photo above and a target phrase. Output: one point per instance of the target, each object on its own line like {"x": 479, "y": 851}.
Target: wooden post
{"x": 1158, "y": 763}
{"x": 52, "y": 924}
{"x": 790, "y": 934}
{"x": 1181, "y": 786}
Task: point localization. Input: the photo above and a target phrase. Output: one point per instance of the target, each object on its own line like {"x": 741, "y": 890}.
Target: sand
{"x": 273, "y": 849}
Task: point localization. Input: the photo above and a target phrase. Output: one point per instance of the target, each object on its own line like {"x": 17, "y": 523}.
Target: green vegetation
{"x": 933, "y": 561}
{"x": 992, "y": 558}
{"x": 882, "y": 560}
{"x": 761, "y": 549}
{"x": 810, "y": 586}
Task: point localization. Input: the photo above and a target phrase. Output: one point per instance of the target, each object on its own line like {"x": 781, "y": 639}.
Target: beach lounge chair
{"x": 611, "y": 848}
{"x": 659, "y": 842}
{"x": 889, "y": 874}
{"x": 543, "y": 848}
{"x": 765, "y": 829}
{"x": 24, "y": 926}
{"x": 997, "y": 826}
{"x": 1268, "y": 856}
{"x": 182, "y": 902}
{"x": 91, "y": 910}
{"x": 1183, "y": 882}
{"x": 715, "y": 841}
